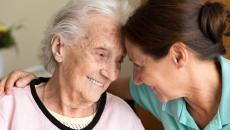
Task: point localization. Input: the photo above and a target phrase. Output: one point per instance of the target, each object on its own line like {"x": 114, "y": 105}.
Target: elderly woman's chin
{"x": 93, "y": 93}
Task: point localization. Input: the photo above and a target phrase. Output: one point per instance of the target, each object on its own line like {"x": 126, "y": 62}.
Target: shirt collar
{"x": 177, "y": 109}
{"x": 224, "y": 108}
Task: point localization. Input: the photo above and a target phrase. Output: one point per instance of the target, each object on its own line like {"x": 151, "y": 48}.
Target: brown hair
{"x": 158, "y": 24}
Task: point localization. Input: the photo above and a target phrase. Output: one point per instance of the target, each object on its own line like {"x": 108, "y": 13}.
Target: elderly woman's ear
{"x": 57, "y": 48}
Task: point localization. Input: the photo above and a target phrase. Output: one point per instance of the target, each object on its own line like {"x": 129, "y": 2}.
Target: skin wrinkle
{"x": 108, "y": 31}
{"x": 81, "y": 62}
{"x": 90, "y": 38}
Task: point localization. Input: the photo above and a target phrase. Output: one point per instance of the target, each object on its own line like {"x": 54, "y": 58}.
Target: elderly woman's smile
{"x": 87, "y": 64}
{"x": 95, "y": 82}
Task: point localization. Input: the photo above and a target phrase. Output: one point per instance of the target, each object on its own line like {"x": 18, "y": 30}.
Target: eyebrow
{"x": 101, "y": 48}
{"x": 105, "y": 49}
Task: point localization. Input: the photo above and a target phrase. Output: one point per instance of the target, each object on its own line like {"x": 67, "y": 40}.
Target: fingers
{"x": 11, "y": 80}
{"x": 21, "y": 82}
{"x": 2, "y": 84}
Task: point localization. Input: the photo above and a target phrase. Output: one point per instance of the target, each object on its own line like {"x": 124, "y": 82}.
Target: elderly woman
{"x": 83, "y": 51}
{"x": 180, "y": 74}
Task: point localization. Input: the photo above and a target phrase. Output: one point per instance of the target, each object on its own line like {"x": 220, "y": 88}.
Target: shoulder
{"x": 116, "y": 101}
{"x": 118, "y": 114}
{"x": 225, "y": 67}
{"x": 16, "y": 95}
{"x": 118, "y": 106}
{"x": 16, "y": 92}
{"x": 225, "y": 63}
{"x": 18, "y": 104}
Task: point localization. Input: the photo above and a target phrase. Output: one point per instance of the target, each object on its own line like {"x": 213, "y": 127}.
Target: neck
{"x": 57, "y": 96}
{"x": 204, "y": 96}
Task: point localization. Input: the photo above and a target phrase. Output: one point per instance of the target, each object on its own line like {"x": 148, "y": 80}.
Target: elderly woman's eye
{"x": 101, "y": 55}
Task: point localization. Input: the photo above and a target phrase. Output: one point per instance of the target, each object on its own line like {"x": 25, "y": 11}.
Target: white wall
{"x": 34, "y": 15}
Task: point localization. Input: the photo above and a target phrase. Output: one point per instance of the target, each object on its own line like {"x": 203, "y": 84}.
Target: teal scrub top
{"x": 175, "y": 116}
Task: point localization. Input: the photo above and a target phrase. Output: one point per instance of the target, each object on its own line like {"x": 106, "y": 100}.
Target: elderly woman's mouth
{"x": 92, "y": 80}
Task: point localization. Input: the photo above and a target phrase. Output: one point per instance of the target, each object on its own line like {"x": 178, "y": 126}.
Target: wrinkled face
{"x": 93, "y": 61}
{"x": 160, "y": 75}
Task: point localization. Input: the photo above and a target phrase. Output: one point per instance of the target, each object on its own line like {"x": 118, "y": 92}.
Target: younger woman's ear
{"x": 57, "y": 48}
{"x": 179, "y": 54}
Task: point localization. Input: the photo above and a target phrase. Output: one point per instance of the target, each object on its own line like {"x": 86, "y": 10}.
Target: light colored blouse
{"x": 22, "y": 110}
{"x": 74, "y": 123}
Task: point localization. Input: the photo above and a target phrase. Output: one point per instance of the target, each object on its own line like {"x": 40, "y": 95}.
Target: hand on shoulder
{"x": 15, "y": 78}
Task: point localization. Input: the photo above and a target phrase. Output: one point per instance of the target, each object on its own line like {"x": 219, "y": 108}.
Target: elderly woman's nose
{"x": 111, "y": 71}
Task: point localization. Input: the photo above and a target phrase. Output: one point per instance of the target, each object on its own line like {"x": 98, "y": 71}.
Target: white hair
{"x": 67, "y": 22}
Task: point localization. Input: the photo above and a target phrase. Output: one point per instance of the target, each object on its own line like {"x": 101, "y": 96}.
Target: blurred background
{"x": 33, "y": 16}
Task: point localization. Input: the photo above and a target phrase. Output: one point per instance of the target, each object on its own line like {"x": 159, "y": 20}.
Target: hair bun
{"x": 212, "y": 20}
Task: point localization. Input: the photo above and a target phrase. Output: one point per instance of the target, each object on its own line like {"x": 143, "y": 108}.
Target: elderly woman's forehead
{"x": 99, "y": 30}
{"x": 102, "y": 40}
